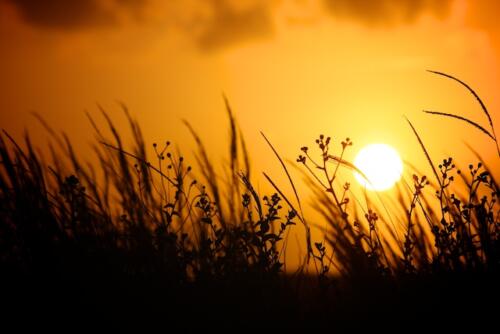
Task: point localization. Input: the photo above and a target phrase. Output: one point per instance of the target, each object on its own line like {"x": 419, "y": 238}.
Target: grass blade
{"x": 308, "y": 237}
{"x": 425, "y": 151}
{"x": 485, "y": 110}
{"x": 461, "y": 118}
{"x": 286, "y": 170}
{"x": 349, "y": 165}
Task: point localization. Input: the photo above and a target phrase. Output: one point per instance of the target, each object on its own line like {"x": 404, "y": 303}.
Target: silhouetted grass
{"x": 139, "y": 240}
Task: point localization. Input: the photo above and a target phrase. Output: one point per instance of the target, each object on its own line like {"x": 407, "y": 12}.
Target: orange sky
{"x": 291, "y": 68}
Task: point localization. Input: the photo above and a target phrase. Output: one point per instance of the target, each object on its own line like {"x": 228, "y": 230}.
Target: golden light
{"x": 381, "y": 165}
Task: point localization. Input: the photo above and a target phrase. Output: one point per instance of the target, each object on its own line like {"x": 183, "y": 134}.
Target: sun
{"x": 381, "y": 165}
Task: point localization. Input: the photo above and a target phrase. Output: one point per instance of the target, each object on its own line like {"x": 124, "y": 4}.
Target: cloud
{"x": 230, "y": 24}
{"x": 72, "y": 14}
{"x": 385, "y": 12}
{"x": 212, "y": 24}
{"x": 484, "y": 14}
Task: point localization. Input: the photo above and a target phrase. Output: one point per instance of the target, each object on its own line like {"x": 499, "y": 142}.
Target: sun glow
{"x": 381, "y": 165}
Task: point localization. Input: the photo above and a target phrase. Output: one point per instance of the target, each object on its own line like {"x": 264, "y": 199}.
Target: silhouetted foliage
{"x": 132, "y": 241}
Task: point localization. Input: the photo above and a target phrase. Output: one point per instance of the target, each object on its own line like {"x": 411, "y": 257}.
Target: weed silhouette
{"x": 134, "y": 241}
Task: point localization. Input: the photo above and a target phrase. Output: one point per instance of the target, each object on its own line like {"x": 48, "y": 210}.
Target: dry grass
{"x": 147, "y": 242}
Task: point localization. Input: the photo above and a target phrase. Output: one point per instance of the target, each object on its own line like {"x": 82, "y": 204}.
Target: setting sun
{"x": 236, "y": 163}
{"x": 381, "y": 165}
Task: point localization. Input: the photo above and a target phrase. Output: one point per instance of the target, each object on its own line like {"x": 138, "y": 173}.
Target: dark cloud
{"x": 72, "y": 14}
{"x": 484, "y": 14}
{"x": 386, "y": 12}
{"x": 228, "y": 24}
{"x": 63, "y": 14}
{"x": 222, "y": 22}
{"x": 212, "y": 24}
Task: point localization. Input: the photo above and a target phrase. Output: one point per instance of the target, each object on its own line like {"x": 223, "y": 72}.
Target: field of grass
{"x": 148, "y": 240}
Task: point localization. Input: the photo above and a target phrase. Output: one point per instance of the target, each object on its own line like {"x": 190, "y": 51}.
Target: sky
{"x": 290, "y": 68}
